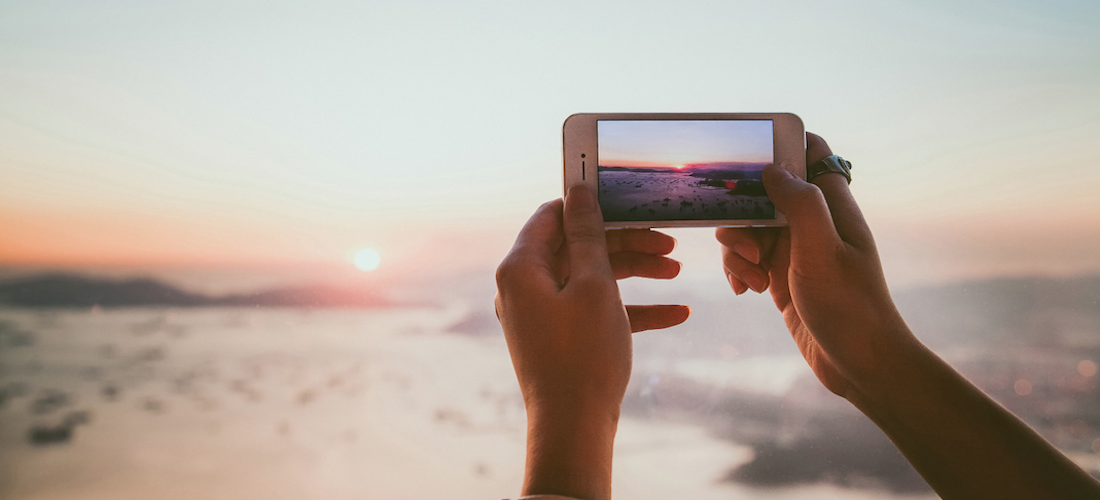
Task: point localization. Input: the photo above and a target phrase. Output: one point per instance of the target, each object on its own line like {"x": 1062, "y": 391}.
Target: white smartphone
{"x": 682, "y": 169}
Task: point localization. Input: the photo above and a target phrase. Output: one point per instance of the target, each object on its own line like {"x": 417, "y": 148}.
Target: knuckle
{"x": 507, "y": 272}
{"x": 590, "y": 284}
{"x": 809, "y": 197}
{"x": 732, "y": 262}
{"x": 588, "y": 234}
{"x": 547, "y": 206}
{"x": 729, "y": 236}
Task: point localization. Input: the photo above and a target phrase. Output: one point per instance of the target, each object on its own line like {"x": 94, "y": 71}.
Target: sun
{"x": 367, "y": 259}
{"x": 678, "y": 167}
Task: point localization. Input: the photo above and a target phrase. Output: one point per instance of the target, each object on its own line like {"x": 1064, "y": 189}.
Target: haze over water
{"x": 236, "y": 146}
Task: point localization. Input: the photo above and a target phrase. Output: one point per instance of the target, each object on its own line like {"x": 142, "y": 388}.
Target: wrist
{"x": 569, "y": 451}
{"x": 894, "y": 358}
{"x": 907, "y": 376}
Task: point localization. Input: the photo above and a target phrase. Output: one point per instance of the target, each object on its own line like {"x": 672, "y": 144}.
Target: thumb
{"x": 584, "y": 233}
{"x": 808, "y": 216}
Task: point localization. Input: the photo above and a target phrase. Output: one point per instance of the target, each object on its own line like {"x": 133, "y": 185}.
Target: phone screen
{"x": 656, "y": 170}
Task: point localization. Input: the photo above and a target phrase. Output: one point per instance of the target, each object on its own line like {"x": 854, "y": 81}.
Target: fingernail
{"x": 755, "y": 281}
{"x": 679, "y": 267}
{"x": 733, "y": 284}
{"x": 748, "y": 252}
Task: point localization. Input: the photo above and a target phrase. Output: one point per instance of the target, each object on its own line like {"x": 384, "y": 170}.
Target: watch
{"x": 834, "y": 164}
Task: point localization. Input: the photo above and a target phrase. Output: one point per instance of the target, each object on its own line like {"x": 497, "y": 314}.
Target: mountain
{"x": 718, "y": 169}
{"x": 67, "y": 290}
{"x": 636, "y": 169}
{"x": 1020, "y": 310}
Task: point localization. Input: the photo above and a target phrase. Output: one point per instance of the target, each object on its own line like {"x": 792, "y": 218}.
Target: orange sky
{"x": 148, "y": 240}
{"x": 171, "y": 134}
{"x": 639, "y": 164}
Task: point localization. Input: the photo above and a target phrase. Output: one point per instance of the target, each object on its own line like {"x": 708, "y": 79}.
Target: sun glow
{"x": 367, "y": 259}
{"x": 678, "y": 167}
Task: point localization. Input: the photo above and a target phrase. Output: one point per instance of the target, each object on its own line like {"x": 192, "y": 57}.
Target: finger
{"x": 816, "y": 148}
{"x": 768, "y": 237}
{"x": 561, "y": 265}
{"x": 639, "y": 240}
{"x": 778, "y": 274}
{"x": 629, "y": 264}
{"x": 737, "y": 285}
{"x": 748, "y": 273}
{"x": 808, "y": 216}
{"x": 655, "y": 317}
{"x": 744, "y": 241}
{"x": 754, "y": 244}
{"x": 584, "y": 234}
{"x": 533, "y": 254}
{"x": 542, "y": 233}
{"x": 847, "y": 217}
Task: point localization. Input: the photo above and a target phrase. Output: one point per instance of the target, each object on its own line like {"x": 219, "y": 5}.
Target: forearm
{"x": 569, "y": 453}
{"x": 961, "y": 441}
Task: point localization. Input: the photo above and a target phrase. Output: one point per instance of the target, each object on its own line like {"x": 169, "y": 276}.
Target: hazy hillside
{"x": 65, "y": 290}
{"x": 1027, "y": 311}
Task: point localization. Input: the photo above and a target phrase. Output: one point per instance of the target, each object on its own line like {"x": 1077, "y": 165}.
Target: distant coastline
{"x": 714, "y": 169}
{"x": 75, "y": 291}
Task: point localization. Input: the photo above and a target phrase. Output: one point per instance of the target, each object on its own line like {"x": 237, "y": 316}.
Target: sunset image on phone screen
{"x": 684, "y": 169}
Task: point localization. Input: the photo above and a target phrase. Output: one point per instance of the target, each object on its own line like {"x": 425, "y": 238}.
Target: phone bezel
{"x": 579, "y": 137}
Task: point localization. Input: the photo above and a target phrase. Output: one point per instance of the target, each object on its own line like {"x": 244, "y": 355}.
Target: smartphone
{"x": 682, "y": 169}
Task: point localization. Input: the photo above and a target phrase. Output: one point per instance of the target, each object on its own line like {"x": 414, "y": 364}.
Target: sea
{"x": 419, "y": 400}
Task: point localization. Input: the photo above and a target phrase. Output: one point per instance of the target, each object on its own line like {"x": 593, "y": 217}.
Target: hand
{"x": 569, "y": 336}
{"x": 824, "y": 274}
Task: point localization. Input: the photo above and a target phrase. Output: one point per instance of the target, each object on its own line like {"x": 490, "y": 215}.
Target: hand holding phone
{"x": 569, "y": 336}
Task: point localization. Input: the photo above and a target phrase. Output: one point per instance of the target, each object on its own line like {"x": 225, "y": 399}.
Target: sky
{"x": 258, "y": 133}
{"x": 674, "y": 143}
